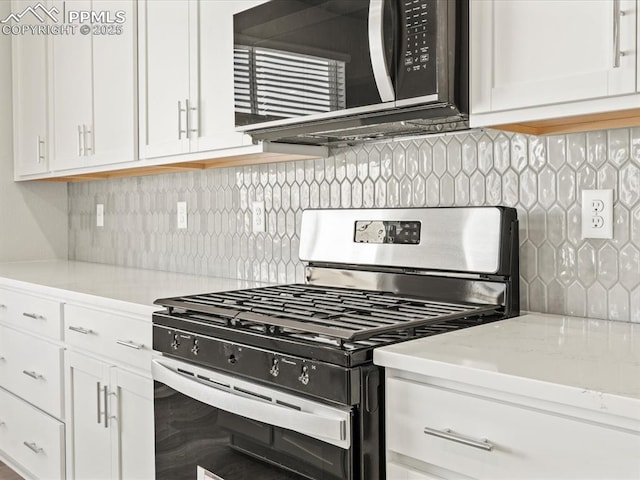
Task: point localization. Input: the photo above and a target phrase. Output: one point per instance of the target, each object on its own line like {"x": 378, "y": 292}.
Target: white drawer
{"x": 33, "y": 313}
{"x": 526, "y": 443}
{"x": 31, "y": 438}
{"x": 33, "y": 369}
{"x": 124, "y": 339}
{"x": 401, "y": 472}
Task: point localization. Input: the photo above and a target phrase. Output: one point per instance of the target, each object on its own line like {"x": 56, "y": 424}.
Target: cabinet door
{"x": 164, "y": 77}
{"x": 213, "y": 122}
{"x": 72, "y": 94}
{"x": 532, "y": 53}
{"x": 132, "y": 436}
{"x": 30, "y": 97}
{"x": 114, "y": 86}
{"x": 89, "y": 438}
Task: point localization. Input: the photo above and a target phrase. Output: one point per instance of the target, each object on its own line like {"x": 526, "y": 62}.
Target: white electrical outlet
{"x": 99, "y": 215}
{"x": 597, "y": 213}
{"x": 257, "y": 214}
{"x": 182, "y": 215}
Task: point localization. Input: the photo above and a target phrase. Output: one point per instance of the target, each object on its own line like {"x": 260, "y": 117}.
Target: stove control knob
{"x": 275, "y": 367}
{"x": 196, "y": 348}
{"x": 304, "y": 376}
{"x": 175, "y": 343}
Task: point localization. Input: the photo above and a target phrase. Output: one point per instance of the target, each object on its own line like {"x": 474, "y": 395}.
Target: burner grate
{"x": 331, "y": 312}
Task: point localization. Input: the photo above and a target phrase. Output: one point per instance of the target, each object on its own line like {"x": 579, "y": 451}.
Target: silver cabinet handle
{"x": 617, "y": 13}
{"x": 190, "y": 109}
{"x": 87, "y": 133}
{"x": 32, "y": 374}
{"x": 124, "y": 343}
{"x": 80, "y": 144}
{"x": 376, "y": 46}
{"x": 2, "y": 305}
{"x": 33, "y": 447}
{"x": 180, "y": 130}
{"x": 106, "y": 407}
{"x": 98, "y": 401}
{"x": 35, "y": 316}
{"x": 447, "y": 434}
{"x": 2, "y": 424}
{"x": 81, "y": 330}
{"x": 2, "y": 359}
{"x": 39, "y": 155}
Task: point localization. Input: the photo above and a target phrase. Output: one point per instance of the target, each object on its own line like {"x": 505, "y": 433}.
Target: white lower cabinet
{"x": 436, "y": 431}
{"x": 31, "y": 438}
{"x": 110, "y": 421}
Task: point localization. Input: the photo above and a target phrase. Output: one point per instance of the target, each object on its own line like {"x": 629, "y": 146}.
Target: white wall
{"x": 33, "y": 215}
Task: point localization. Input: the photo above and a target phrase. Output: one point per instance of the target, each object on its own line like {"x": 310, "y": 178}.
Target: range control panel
{"x": 318, "y": 379}
{"x": 417, "y": 62}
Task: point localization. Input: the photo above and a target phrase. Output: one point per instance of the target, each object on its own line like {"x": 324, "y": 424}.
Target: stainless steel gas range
{"x": 278, "y": 382}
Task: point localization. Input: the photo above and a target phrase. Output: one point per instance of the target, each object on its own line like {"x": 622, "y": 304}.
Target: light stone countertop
{"x": 109, "y": 286}
{"x": 594, "y": 364}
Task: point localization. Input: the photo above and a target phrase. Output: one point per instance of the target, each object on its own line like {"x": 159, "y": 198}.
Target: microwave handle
{"x": 329, "y": 429}
{"x": 376, "y": 47}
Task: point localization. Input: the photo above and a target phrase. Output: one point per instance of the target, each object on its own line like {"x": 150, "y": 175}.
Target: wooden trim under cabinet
{"x": 578, "y": 123}
{"x": 230, "y": 161}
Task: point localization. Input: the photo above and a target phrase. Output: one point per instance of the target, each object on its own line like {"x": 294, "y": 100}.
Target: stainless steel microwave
{"x": 326, "y": 71}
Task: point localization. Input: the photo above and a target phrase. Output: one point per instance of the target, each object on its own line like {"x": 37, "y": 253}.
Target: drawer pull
{"x": 35, "y": 316}
{"x": 2, "y": 305}
{"x": 32, "y": 374}
{"x": 33, "y": 447}
{"x": 81, "y": 330}
{"x": 447, "y": 434}
{"x": 2, "y": 359}
{"x": 124, "y": 343}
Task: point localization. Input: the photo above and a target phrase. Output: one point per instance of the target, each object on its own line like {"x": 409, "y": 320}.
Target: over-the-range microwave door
{"x": 313, "y": 59}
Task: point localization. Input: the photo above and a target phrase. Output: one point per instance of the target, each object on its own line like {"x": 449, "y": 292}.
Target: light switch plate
{"x": 597, "y": 213}
{"x": 99, "y": 215}
{"x": 257, "y": 214}
{"x": 182, "y": 215}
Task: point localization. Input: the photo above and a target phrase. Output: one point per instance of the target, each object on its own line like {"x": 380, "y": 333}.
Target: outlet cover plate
{"x": 597, "y": 213}
{"x": 182, "y": 215}
{"x": 257, "y": 215}
{"x": 99, "y": 215}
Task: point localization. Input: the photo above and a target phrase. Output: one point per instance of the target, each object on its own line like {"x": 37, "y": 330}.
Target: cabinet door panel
{"x": 133, "y": 402}
{"x": 90, "y": 440}
{"x": 212, "y": 88}
{"x": 30, "y": 100}
{"x": 164, "y": 60}
{"x": 72, "y": 93}
{"x": 114, "y": 88}
{"x": 545, "y": 52}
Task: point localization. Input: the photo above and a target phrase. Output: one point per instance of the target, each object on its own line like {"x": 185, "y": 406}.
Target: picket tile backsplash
{"x": 541, "y": 176}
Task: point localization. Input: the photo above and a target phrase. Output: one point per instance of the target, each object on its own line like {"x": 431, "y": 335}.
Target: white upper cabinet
{"x": 30, "y": 101}
{"x": 532, "y": 53}
{"x": 186, "y": 77}
{"x": 94, "y": 89}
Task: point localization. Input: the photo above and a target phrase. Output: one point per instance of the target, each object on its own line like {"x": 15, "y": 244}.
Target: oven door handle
{"x": 377, "y": 51}
{"x": 330, "y": 427}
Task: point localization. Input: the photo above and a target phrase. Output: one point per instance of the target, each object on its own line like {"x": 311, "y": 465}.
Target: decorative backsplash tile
{"x": 541, "y": 176}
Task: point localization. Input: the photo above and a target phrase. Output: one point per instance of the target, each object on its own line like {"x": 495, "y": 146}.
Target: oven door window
{"x": 191, "y": 432}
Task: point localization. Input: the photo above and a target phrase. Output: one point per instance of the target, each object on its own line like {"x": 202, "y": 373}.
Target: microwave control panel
{"x": 417, "y": 61}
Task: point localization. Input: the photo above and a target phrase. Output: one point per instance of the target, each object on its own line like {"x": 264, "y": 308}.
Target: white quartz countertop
{"x": 584, "y": 362}
{"x": 128, "y": 288}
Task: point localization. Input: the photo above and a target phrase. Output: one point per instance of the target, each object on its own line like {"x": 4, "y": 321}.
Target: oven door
{"x": 221, "y": 427}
